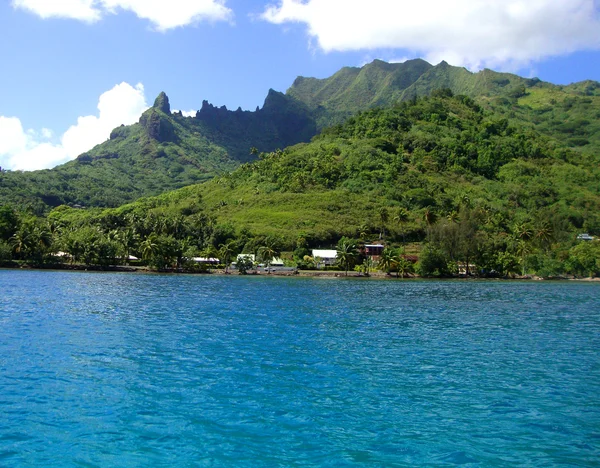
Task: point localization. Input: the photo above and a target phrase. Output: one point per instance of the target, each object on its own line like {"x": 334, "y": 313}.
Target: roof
{"x": 322, "y": 253}
{"x": 375, "y": 245}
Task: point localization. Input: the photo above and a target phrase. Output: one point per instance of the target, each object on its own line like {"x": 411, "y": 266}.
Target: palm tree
{"x": 127, "y": 239}
{"x": 31, "y": 241}
{"x": 523, "y": 231}
{"x": 453, "y": 217}
{"x": 225, "y": 252}
{"x": 20, "y": 242}
{"x": 209, "y": 252}
{"x": 181, "y": 247}
{"x": 384, "y": 217}
{"x": 523, "y": 249}
{"x": 148, "y": 247}
{"x": 269, "y": 251}
{"x": 386, "y": 260}
{"x": 401, "y": 218}
{"x": 429, "y": 217}
{"x": 363, "y": 231}
{"x": 43, "y": 241}
{"x": 367, "y": 266}
{"x": 544, "y": 234}
{"x": 178, "y": 227}
{"x": 346, "y": 253}
{"x": 404, "y": 267}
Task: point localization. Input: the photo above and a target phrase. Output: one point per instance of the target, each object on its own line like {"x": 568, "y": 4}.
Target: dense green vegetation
{"x": 162, "y": 152}
{"x": 463, "y": 187}
{"x": 571, "y": 114}
{"x": 166, "y": 150}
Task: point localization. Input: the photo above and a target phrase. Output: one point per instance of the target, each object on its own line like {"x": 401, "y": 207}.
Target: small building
{"x": 205, "y": 260}
{"x": 374, "y": 250}
{"x": 585, "y": 237}
{"x": 325, "y": 257}
{"x": 462, "y": 268}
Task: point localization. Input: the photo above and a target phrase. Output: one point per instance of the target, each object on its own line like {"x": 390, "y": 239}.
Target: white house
{"x": 325, "y": 257}
{"x": 276, "y": 261}
{"x": 212, "y": 261}
{"x": 246, "y": 257}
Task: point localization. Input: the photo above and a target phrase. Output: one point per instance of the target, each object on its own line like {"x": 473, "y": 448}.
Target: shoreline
{"x": 295, "y": 273}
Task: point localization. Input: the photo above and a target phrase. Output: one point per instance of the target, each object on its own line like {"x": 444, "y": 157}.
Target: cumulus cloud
{"x": 190, "y": 113}
{"x": 163, "y": 14}
{"x": 473, "y": 33}
{"x": 77, "y": 9}
{"x": 29, "y": 150}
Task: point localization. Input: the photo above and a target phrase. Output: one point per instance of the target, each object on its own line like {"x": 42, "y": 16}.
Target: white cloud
{"x": 473, "y": 33}
{"x": 163, "y": 14}
{"x": 190, "y": 113}
{"x": 168, "y": 14}
{"x": 30, "y": 150}
{"x": 77, "y": 9}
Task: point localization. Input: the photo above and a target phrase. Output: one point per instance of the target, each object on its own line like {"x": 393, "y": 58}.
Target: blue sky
{"x": 60, "y": 56}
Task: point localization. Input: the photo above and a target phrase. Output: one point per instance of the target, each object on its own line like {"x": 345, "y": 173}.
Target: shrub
{"x": 433, "y": 262}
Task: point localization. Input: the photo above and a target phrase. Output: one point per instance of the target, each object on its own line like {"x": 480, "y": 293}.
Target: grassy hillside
{"x": 571, "y": 114}
{"x": 165, "y": 150}
{"x": 443, "y": 173}
{"x": 422, "y": 157}
{"x": 568, "y": 113}
{"x": 427, "y": 155}
{"x": 351, "y": 90}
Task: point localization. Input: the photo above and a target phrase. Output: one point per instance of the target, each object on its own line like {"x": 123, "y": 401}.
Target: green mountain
{"x": 162, "y": 152}
{"x": 381, "y": 84}
{"x": 477, "y": 188}
{"x": 434, "y": 155}
{"x": 567, "y": 113}
{"x": 165, "y": 150}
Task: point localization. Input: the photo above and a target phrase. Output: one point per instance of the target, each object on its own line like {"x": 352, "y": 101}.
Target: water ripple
{"x": 150, "y": 370}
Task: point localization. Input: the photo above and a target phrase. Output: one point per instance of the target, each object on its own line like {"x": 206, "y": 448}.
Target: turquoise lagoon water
{"x": 150, "y": 370}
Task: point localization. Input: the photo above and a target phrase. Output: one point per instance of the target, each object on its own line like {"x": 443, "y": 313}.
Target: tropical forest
{"x": 453, "y": 173}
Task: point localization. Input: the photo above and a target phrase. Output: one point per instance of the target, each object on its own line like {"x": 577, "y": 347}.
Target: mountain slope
{"x": 382, "y": 84}
{"x": 162, "y": 152}
{"x": 460, "y": 184}
{"x": 570, "y": 114}
{"x": 429, "y": 158}
{"x": 353, "y": 89}
{"x": 166, "y": 150}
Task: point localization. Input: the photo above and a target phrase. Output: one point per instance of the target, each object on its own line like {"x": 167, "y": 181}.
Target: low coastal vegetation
{"x": 439, "y": 179}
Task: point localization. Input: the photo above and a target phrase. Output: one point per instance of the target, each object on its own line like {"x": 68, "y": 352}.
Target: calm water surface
{"x": 149, "y": 370}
